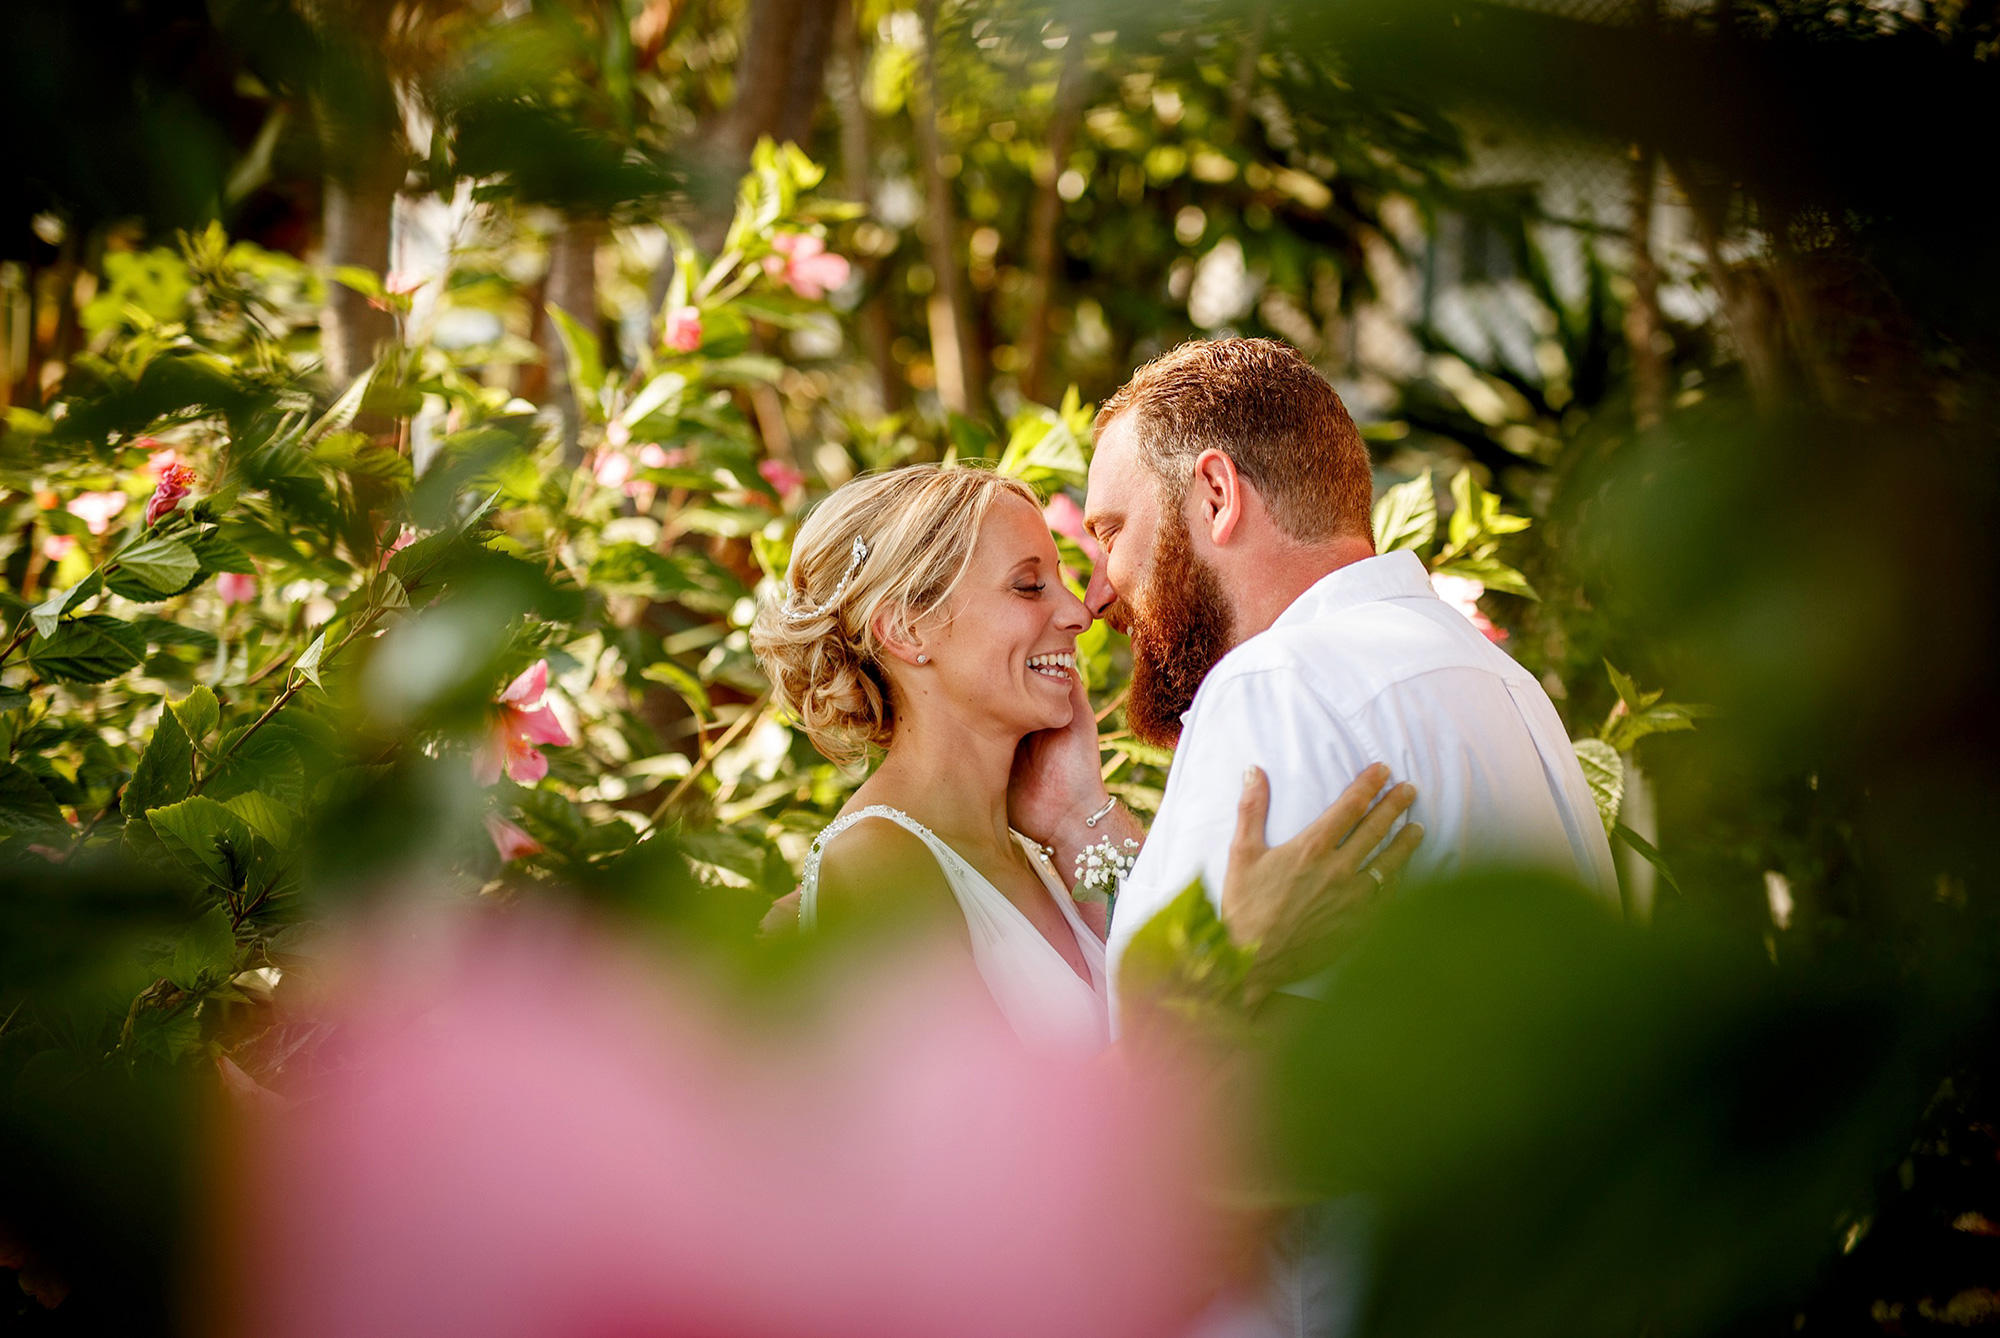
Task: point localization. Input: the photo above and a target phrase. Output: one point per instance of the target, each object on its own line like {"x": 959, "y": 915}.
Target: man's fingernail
{"x": 1417, "y": 827}
{"x": 1249, "y": 775}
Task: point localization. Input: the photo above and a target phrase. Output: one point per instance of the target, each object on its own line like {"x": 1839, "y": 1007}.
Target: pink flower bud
{"x": 683, "y": 329}
{"x": 175, "y": 481}
{"x": 95, "y": 509}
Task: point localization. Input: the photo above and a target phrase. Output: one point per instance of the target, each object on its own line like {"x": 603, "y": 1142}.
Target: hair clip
{"x": 799, "y": 614}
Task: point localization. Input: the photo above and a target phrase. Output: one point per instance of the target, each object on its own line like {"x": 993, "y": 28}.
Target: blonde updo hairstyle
{"x": 920, "y": 523}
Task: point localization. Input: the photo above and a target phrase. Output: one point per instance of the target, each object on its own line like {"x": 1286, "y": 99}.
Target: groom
{"x": 1231, "y": 494}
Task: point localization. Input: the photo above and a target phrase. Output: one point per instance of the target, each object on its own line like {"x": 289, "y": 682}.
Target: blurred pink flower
{"x": 521, "y": 1130}
{"x": 159, "y": 455}
{"x": 683, "y": 327}
{"x": 511, "y": 841}
{"x": 1462, "y": 593}
{"x": 235, "y": 587}
{"x": 617, "y": 434}
{"x": 95, "y": 509}
{"x": 1065, "y": 517}
{"x": 521, "y": 723}
{"x": 654, "y": 456}
{"x": 806, "y": 265}
{"x": 402, "y": 282}
{"x": 611, "y": 467}
{"x": 57, "y": 546}
{"x": 175, "y": 481}
{"x": 785, "y": 480}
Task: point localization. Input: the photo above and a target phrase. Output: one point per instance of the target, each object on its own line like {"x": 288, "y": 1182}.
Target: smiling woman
{"x": 924, "y": 612}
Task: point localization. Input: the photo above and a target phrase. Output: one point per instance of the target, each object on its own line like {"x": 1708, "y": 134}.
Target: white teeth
{"x": 1054, "y": 665}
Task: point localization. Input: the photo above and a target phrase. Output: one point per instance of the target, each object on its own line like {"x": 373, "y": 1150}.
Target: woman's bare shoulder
{"x": 876, "y": 865}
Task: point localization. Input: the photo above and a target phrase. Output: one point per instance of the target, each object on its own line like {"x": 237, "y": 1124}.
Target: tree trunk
{"x": 1642, "y": 317}
{"x": 1045, "y": 214}
{"x": 1747, "y": 302}
{"x": 954, "y": 353}
{"x": 874, "y": 320}
{"x": 355, "y": 231}
{"x": 572, "y": 289}
{"x": 779, "y": 79}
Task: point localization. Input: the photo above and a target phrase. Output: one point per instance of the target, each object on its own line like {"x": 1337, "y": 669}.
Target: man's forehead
{"x": 1113, "y": 462}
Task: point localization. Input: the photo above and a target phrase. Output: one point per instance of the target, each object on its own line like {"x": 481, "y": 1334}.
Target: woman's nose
{"x": 1071, "y": 613}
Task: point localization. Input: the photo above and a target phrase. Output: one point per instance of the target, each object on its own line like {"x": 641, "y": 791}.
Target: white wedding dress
{"x": 1038, "y": 991}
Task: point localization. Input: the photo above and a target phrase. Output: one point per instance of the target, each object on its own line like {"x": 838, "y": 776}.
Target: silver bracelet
{"x": 1101, "y": 867}
{"x": 1099, "y": 815}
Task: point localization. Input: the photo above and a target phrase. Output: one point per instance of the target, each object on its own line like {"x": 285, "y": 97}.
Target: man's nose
{"x": 1098, "y": 596}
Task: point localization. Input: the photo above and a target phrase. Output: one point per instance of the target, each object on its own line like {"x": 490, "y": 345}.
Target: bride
{"x": 925, "y": 614}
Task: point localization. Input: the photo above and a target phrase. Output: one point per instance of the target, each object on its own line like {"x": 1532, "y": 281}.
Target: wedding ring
{"x": 1381, "y": 879}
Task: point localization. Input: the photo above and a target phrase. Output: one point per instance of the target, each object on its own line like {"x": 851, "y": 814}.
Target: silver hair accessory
{"x": 799, "y": 614}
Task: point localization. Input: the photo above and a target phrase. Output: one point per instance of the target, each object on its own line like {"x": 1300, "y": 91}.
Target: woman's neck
{"x": 950, "y": 775}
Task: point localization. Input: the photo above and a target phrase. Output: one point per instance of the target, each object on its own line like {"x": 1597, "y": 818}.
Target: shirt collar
{"x": 1398, "y": 575}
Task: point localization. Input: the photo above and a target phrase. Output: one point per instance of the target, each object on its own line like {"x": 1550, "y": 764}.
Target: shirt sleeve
{"x": 1267, "y": 718}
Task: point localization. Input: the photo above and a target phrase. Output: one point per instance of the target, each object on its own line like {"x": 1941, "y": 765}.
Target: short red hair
{"x": 1264, "y": 407}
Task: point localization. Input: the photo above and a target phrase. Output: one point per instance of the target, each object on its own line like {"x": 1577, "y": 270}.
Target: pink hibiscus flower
{"x": 683, "y": 326}
{"x": 805, "y": 265}
{"x": 611, "y": 468}
{"x": 235, "y": 587}
{"x": 521, "y": 724}
{"x": 95, "y": 509}
{"x": 57, "y": 546}
{"x": 511, "y": 841}
{"x": 785, "y": 480}
{"x": 175, "y": 481}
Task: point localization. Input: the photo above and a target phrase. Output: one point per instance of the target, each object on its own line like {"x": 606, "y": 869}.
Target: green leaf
{"x": 635, "y": 569}
{"x": 1647, "y": 853}
{"x": 46, "y": 614}
{"x": 363, "y": 281}
{"x": 1184, "y": 960}
{"x": 165, "y": 772}
{"x": 308, "y": 663}
{"x": 1043, "y": 448}
{"x": 1406, "y": 516}
{"x": 198, "y": 712}
{"x": 1605, "y": 772}
{"x": 1489, "y": 572}
{"x": 206, "y": 952}
{"x": 94, "y": 649}
{"x": 1148, "y": 754}
{"x": 26, "y": 806}
{"x": 218, "y": 554}
{"x": 585, "y": 358}
{"x": 265, "y": 816}
{"x": 682, "y": 681}
{"x": 12, "y": 699}
{"x": 206, "y": 839}
{"x": 153, "y": 569}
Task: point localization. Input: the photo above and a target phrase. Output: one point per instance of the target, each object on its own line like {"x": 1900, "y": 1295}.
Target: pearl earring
{"x": 923, "y": 659}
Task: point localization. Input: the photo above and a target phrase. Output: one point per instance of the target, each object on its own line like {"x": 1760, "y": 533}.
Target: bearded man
{"x": 1231, "y": 494}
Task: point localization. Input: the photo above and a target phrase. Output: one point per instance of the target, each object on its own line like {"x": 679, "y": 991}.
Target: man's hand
{"x": 1302, "y": 902}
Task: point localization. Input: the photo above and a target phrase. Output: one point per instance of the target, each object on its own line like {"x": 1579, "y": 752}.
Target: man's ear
{"x": 1216, "y": 494}
{"x": 895, "y": 639}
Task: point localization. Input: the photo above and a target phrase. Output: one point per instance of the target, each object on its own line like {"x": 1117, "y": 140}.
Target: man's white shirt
{"x": 1368, "y": 666}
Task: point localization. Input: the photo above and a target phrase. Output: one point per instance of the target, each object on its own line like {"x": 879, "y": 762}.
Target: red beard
{"x": 1179, "y": 628}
